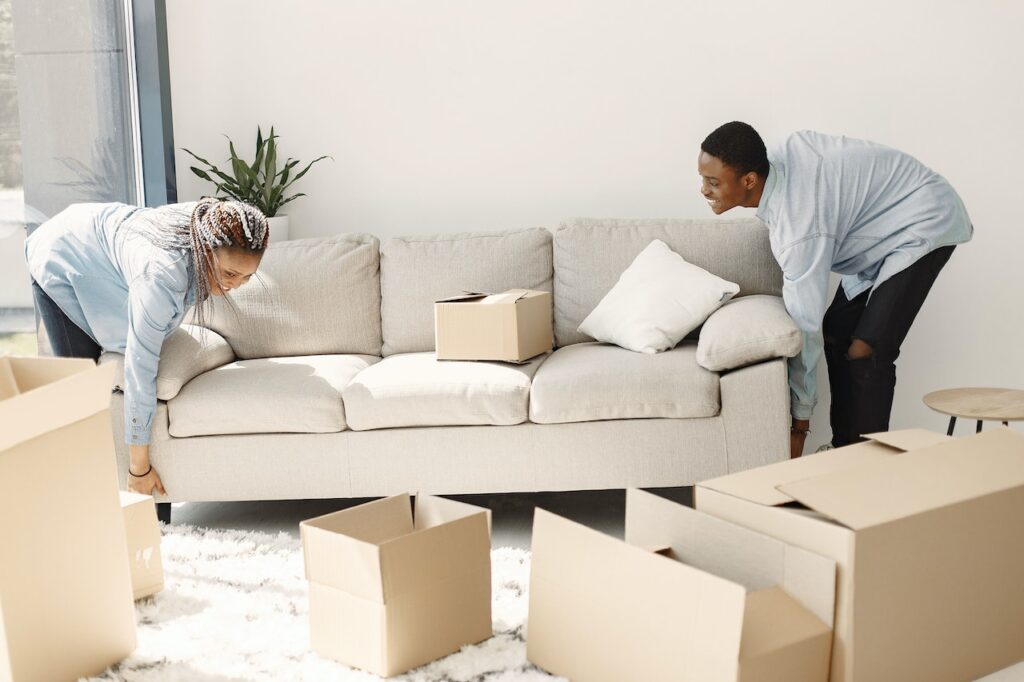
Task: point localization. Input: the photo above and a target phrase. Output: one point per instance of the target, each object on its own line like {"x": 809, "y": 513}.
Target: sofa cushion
{"x": 590, "y": 254}
{"x": 416, "y": 389}
{"x": 273, "y": 395}
{"x": 748, "y": 330}
{"x": 309, "y": 297}
{"x": 416, "y": 271}
{"x": 187, "y": 352}
{"x": 592, "y": 381}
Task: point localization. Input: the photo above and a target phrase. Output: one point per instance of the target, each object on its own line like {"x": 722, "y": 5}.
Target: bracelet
{"x": 793, "y": 429}
{"x": 141, "y": 475}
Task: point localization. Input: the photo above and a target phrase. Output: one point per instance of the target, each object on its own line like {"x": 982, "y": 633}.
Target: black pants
{"x": 67, "y": 339}
{"x": 862, "y": 389}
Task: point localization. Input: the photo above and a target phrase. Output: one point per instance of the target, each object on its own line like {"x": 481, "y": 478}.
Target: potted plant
{"x": 262, "y": 183}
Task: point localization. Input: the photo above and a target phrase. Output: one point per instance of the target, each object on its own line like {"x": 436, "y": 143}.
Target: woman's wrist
{"x": 138, "y": 458}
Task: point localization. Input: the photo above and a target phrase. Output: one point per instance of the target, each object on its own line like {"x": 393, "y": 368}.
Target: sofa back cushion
{"x": 310, "y": 297}
{"x": 416, "y": 271}
{"x": 590, "y": 254}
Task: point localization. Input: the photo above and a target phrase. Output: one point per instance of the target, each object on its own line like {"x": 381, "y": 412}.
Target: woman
{"x": 121, "y": 278}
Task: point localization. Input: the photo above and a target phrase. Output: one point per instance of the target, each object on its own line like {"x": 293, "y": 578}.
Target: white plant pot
{"x": 278, "y": 228}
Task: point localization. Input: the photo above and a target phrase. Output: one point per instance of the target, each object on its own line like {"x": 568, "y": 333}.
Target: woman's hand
{"x": 149, "y": 484}
{"x": 138, "y": 463}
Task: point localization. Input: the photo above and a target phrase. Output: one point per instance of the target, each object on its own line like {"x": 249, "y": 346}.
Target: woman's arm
{"x": 152, "y": 308}
{"x": 149, "y": 481}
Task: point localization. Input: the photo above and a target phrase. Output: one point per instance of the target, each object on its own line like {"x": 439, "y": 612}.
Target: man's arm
{"x": 806, "y": 265}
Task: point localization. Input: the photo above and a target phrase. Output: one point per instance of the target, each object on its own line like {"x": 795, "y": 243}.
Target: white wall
{"x": 469, "y": 115}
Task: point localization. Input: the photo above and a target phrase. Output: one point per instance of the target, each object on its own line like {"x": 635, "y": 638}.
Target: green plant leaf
{"x": 308, "y": 166}
{"x": 291, "y": 198}
{"x": 270, "y": 169}
{"x": 201, "y": 173}
{"x": 259, "y": 150}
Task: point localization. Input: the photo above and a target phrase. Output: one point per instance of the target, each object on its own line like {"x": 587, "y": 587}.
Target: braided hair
{"x": 212, "y": 224}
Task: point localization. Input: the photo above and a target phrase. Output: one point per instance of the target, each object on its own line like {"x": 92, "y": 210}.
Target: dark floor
{"x": 512, "y": 514}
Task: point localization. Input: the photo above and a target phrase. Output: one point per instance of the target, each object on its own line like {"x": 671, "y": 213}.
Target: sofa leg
{"x": 163, "y": 512}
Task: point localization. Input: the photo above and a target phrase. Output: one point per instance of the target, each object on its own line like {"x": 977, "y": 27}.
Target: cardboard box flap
{"x": 761, "y": 485}
{"x": 504, "y": 298}
{"x": 8, "y": 386}
{"x": 342, "y": 549}
{"x": 774, "y": 621}
{"x": 733, "y": 552}
{"x": 451, "y": 551}
{"x": 433, "y": 511}
{"x": 573, "y": 566}
{"x": 917, "y": 482}
{"x": 52, "y": 393}
{"x": 909, "y": 439}
{"x": 463, "y": 297}
{"x": 31, "y": 373}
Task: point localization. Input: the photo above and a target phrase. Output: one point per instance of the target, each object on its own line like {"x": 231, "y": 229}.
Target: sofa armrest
{"x": 755, "y": 415}
{"x": 187, "y": 352}
{"x": 745, "y": 331}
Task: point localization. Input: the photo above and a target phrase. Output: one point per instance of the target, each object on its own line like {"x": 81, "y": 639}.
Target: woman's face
{"x": 230, "y": 268}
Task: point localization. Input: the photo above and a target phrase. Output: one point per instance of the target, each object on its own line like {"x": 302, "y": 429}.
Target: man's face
{"x": 721, "y": 185}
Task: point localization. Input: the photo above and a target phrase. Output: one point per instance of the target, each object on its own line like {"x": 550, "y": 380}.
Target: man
{"x": 875, "y": 215}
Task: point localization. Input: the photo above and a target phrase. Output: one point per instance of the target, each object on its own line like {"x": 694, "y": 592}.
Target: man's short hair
{"x": 737, "y": 144}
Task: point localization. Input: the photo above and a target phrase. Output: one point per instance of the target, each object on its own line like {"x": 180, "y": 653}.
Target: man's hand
{"x": 798, "y": 437}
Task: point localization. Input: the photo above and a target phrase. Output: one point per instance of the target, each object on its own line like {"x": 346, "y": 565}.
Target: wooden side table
{"x": 993, "y": 404}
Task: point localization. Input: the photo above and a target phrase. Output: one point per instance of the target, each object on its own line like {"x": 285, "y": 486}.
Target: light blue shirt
{"x": 122, "y": 290}
{"x": 863, "y": 210}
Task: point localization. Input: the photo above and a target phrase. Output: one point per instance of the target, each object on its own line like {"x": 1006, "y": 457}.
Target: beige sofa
{"x": 319, "y": 381}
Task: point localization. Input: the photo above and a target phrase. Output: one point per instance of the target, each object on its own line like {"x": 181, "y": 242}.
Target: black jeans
{"x": 862, "y": 389}
{"x": 67, "y": 339}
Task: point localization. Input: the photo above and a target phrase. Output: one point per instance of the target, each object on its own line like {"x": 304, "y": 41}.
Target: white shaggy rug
{"x": 235, "y": 607}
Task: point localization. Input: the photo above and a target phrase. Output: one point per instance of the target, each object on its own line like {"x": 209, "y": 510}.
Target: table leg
{"x": 952, "y": 425}
{"x": 978, "y": 430}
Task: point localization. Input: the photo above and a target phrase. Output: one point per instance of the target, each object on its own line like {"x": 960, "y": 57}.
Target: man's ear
{"x": 750, "y": 180}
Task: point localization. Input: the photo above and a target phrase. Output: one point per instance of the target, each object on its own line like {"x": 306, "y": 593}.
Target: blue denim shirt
{"x": 122, "y": 290}
{"x": 863, "y": 210}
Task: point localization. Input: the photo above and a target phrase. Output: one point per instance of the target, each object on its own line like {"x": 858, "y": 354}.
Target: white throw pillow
{"x": 658, "y": 300}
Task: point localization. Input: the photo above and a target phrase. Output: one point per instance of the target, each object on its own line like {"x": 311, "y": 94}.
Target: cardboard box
{"x": 66, "y": 606}
{"x": 142, "y": 531}
{"x": 513, "y": 326}
{"x": 926, "y": 533}
{"x": 686, "y": 597}
{"x": 390, "y": 590}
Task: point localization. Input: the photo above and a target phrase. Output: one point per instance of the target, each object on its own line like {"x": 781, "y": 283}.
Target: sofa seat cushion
{"x": 593, "y": 381}
{"x": 271, "y": 395}
{"x": 417, "y": 389}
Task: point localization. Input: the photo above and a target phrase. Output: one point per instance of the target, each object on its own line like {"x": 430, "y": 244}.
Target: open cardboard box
{"x": 142, "y": 531}
{"x": 685, "y": 597}
{"x": 926, "y": 532}
{"x": 390, "y": 589}
{"x": 513, "y": 326}
{"x": 65, "y": 590}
